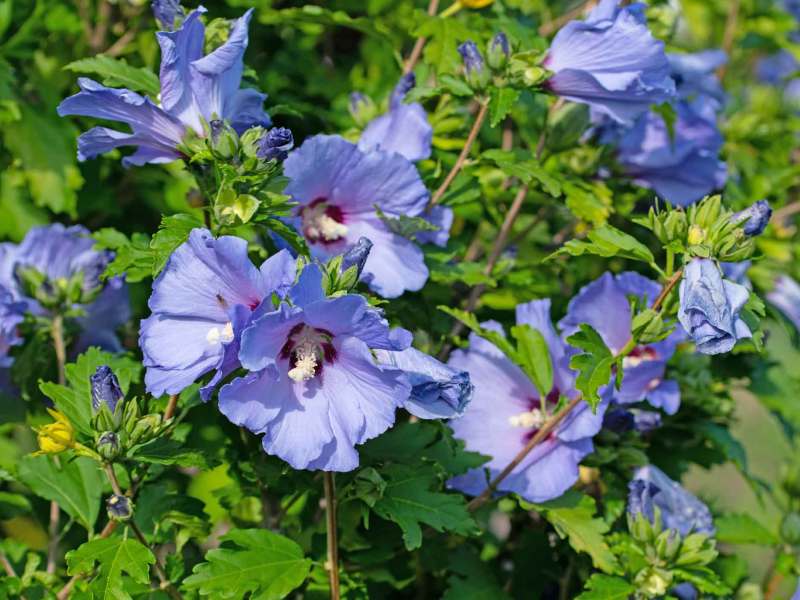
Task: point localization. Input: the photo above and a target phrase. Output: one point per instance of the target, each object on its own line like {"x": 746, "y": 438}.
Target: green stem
{"x": 670, "y": 262}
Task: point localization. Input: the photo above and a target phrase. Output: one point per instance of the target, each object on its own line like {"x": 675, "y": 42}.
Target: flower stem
{"x": 166, "y": 585}
{"x": 668, "y": 287}
{"x": 169, "y": 411}
{"x": 419, "y": 45}
{"x": 57, "y": 334}
{"x": 333, "y": 543}
{"x": 462, "y": 157}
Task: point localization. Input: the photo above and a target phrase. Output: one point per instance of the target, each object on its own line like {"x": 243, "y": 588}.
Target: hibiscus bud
{"x": 710, "y": 306}
{"x": 56, "y": 437}
{"x": 405, "y": 85}
{"x": 167, "y": 12}
{"x": 108, "y": 445}
{"x": 119, "y": 507}
{"x": 361, "y": 108}
{"x": 357, "y": 256}
{"x": 790, "y": 528}
{"x": 105, "y": 389}
{"x": 475, "y": 70}
{"x": 498, "y": 51}
{"x": 754, "y": 219}
{"x": 275, "y": 145}
{"x": 224, "y": 140}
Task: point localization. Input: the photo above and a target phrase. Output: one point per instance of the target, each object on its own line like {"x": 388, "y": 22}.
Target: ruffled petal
{"x": 404, "y": 129}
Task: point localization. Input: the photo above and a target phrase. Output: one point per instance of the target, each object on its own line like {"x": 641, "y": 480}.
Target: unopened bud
{"x": 105, "y": 388}
{"x": 108, "y": 445}
{"x": 223, "y": 138}
{"x": 475, "y": 71}
{"x": 498, "y": 51}
{"x": 275, "y": 145}
{"x": 754, "y": 219}
{"x": 696, "y": 235}
{"x": 56, "y": 437}
{"x": 361, "y": 108}
{"x": 119, "y": 507}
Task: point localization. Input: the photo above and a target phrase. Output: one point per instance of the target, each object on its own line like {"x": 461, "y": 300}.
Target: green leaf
{"x": 572, "y": 515}
{"x": 741, "y": 528}
{"x": 444, "y": 36}
{"x": 323, "y": 16}
{"x": 405, "y": 226}
{"x": 605, "y": 587}
{"x": 172, "y": 232}
{"x": 76, "y": 485}
{"x": 445, "y": 269}
{"x": 409, "y": 501}
{"x": 254, "y": 561}
{"x": 519, "y": 164}
{"x": 12, "y": 505}
{"x": 165, "y": 451}
{"x": 534, "y": 357}
{"x": 471, "y": 322}
{"x": 115, "y": 72}
{"x": 115, "y": 557}
{"x": 593, "y": 365}
{"x": 501, "y": 101}
{"x": 705, "y": 580}
{"x": 589, "y": 201}
{"x": 455, "y": 86}
{"x": 608, "y": 241}
{"x": 471, "y": 579}
{"x": 75, "y": 398}
{"x": 132, "y": 257}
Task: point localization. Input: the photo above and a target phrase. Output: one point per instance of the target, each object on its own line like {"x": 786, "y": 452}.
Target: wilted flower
{"x": 119, "y": 507}
{"x": 754, "y": 219}
{"x": 56, "y": 437}
{"x": 201, "y": 301}
{"x": 650, "y": 488}
{"x": 275, "y": 145}
{"x": 404, "y": 129}
{"x": 195, "y": 90}
{"x": 786, "y": 297}
{"x": 507, "y": 410}
{"x": 315, "y": 390}
{"x": 611, "y": 62}
{"x": 437, "y": 390}
{"x": 604, "y": 305}
{"x": 710, "y": 306}
{"x": 338, "y": 187}
{"x": 475, "y": 70}
{"x": 105, "y": 388}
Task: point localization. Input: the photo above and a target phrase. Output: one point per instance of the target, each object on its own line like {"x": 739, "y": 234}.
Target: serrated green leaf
{"x": 520, "y": 165}
{"x": 593, "y": 365}
{"x": 572, "y": 515}
{"x": 323, "y": 16}
{"x": 606, "y": 587}
{"x": 501, "y": 101}
{"x": 705, "y": 580}
{"x": 410, "y": 501}
{"x": 133, "y": 257}
{"x": 455, "y": 86}
{"x": 165, "y": 451}
{"x": 115, "y": 72}
{"x": 471, "y": 321}
{"x": 115, "y": 557}
{"x": 172, "y": 232}
{"x": 741, "y": 528}
{"x": 590, "y": 202}
{"x": 252, "y": 561}
{"x": 76, "y": 485}
{"x": 608, "y": 241}
{"x": 534, "y": 357}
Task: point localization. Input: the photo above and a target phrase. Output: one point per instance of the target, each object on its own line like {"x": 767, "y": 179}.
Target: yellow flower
{"x": 475, "y": 3}
{"x": 56, "y": 437}
{"x": 696, "y": 235}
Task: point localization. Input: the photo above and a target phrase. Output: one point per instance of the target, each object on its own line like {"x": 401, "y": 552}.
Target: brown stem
{"x": 729, "y": 35}
{"x": 462, "y": 157}
{"x": 112, "y": 477}
{"x": 333, "y": 544}
{"x": 52, "y": 532}
{"x": 171, "y": 405}
{"x": 7, "y": 567}
{"x": 419, "y": 45}
{"x": 537, "y": 439}
{"x": 785, "y": 212}
{"x": 668, "y": 287}
{"x": 57, "y": 333}
{"x": 551, "y": 26}
{"x": 166, "y": 585}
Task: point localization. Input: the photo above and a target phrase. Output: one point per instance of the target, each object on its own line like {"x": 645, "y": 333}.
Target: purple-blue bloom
{"x": 709, "y": 307}
{"x": 621, "y": 419}
{"x": 11, "y": 316}
{"x": 604, "y": 305}
{"x": 507, "y": 410}
{"x": 754, "y": 218}
{"x": 357, "y": 255}
{"x": 105, "y": 388}
{"x": 437, "y": 390}
{"x": 650, "y": 488}
{"x": 201, "y": 301}
{"x": 404, "y": 129}
{"x": 195, "y": 89}
{"x": 611, "y": 62}
{"x": 314, "y": 389}
{"x": 695, "y": 74}
{"x": 681, "y": 168}
{"x": 62, "y": 254}
{"x": 276, "y": 144}
{"x": 338, "y": 186}
{"x": 776, "y": 68}
{"x": 786, "y": 297}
